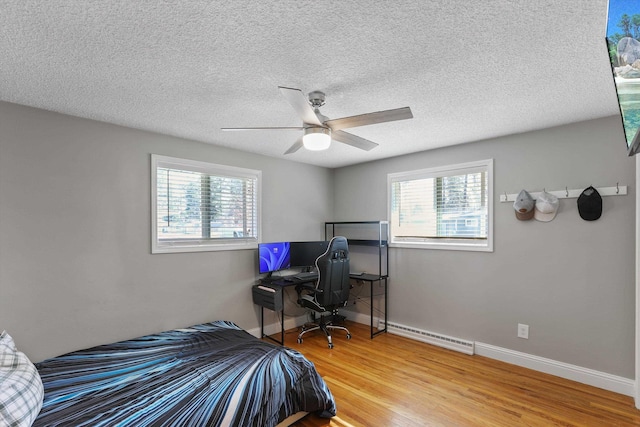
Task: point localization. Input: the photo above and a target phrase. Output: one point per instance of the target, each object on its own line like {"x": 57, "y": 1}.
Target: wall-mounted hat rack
{"x": 617, "y": 190}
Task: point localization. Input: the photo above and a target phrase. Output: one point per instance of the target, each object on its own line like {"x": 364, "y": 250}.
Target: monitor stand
{"x": 268, "y": 278}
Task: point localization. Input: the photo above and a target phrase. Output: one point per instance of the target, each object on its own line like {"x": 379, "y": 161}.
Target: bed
{"x": 212, "y": 374}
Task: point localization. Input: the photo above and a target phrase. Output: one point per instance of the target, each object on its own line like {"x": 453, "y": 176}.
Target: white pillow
{"x": 21, "y": 390}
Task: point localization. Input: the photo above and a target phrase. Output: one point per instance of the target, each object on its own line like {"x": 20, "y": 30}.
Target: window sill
{"x": 448, "y": 246}
{"x": 176, "y": 247}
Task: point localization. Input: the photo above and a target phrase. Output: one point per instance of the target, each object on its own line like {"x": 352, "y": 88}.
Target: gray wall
{"x": 76, "y": 268}
{"x": 571, "y": 280}
{"x": 75, "y": 262}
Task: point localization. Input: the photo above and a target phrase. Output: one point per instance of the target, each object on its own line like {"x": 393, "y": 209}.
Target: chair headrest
{"x": 339, "y": 243}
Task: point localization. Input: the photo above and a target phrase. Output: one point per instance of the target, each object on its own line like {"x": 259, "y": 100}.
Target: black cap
{"x": 590, "y": 204}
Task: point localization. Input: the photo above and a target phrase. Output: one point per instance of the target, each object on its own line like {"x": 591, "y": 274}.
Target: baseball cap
{"x": 590, "y": 204}
{"x": 524, "y": 205}
{"x": 546, "y": 207}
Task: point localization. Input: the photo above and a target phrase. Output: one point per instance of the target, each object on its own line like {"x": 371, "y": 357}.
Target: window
{"x": 198, "y": 206}
{"x": 442, "y": 208}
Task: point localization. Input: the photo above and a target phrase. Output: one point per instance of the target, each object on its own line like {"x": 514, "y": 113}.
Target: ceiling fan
{"x": 318, "y": 130}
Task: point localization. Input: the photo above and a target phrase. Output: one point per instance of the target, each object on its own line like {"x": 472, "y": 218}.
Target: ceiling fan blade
{"x": 295, "y": 147}
{"x": 300, "y": 103}
{"x": 370, "y": 118}
{"x": 269, "y": 128}
{"x": 353, "y": 140}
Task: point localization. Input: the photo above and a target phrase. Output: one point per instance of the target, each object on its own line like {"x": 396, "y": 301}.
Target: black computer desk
{"x": 273, "y": 300}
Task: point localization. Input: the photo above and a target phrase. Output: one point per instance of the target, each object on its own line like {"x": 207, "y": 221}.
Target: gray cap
{"x": 524, "y": 206}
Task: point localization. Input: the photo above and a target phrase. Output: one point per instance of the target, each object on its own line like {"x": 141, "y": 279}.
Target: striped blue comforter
{"x": 214, "y": 374}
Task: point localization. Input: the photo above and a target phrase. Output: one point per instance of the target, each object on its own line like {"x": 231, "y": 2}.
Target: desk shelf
{"x": 364, "y": 233}
{"x": 366, "y": 242}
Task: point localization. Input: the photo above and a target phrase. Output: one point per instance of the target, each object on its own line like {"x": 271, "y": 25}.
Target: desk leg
{"x": 281, "y": 342}
{"x": 371, "y": 305}
{"x": 282, "y": 327}
{"x": 386, "y": 305}
{"x": 386, "y": 294}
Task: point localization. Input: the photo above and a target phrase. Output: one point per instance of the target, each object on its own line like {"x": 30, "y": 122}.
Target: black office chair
{"x": 331, "y": 290}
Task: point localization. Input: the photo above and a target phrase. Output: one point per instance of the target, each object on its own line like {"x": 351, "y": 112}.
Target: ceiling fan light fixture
{"x": 316, "y": 138}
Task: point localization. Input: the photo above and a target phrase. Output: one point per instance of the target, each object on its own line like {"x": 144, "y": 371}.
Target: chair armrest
{"x": 307, "y": 289}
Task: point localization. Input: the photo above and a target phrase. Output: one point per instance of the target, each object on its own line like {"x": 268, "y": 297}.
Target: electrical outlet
{"x": 523, "y": 331}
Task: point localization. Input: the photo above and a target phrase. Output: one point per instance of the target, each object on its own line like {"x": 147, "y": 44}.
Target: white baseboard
{"x": 354, "y": 316}
{"x": 441, "y": 340}
{"x": 274, "y": 328}
{"x": 587, "y": 376}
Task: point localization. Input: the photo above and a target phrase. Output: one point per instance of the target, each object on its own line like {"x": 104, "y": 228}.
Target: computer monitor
{"x": 304, "y": 254}
{"x": 274, "y": 256}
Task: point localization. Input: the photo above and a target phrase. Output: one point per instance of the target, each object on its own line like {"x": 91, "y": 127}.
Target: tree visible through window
{"x": 443, "y": 206}
{"x": 203, "y": 205}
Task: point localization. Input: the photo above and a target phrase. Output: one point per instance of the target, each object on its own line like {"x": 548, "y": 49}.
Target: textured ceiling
{"x": 469, "y": 70}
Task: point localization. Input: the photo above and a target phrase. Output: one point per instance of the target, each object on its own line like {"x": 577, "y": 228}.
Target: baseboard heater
{"x": 440, "y": 340}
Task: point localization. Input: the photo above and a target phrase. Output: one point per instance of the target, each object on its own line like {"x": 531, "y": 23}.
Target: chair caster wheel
{"x": 299, "y": 340}
{"x": 348, "y": 336}
{"x": 330, "y": 345}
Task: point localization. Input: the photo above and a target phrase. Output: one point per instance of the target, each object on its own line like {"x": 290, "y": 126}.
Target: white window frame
{"x": 201, "y": 245}
{"x": 445, "y": 244}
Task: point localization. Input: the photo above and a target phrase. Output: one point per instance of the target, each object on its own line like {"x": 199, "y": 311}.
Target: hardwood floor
{"x": 395, "y": 381}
